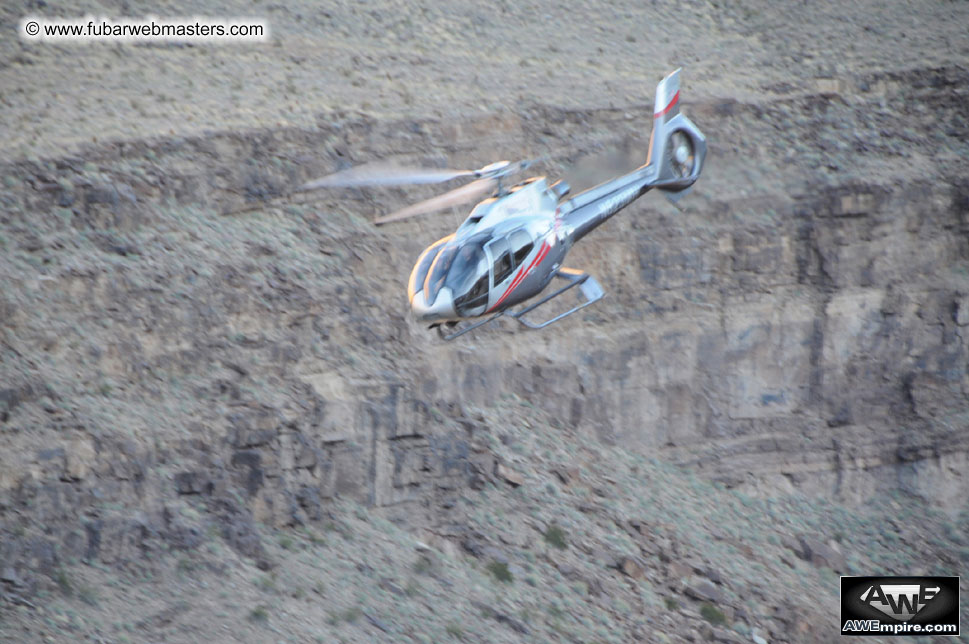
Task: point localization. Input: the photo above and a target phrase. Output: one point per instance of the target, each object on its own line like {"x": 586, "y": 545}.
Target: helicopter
{"x": 513, "y": 243}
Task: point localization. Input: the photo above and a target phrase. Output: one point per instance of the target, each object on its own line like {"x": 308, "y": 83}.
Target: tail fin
{"x": 677, "y": 148}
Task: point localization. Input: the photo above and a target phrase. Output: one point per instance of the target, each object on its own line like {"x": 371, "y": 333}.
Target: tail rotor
{"x": 676, "y": 145}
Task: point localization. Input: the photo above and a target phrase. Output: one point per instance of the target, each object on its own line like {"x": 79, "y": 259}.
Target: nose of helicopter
{"x": 442, "y": 308}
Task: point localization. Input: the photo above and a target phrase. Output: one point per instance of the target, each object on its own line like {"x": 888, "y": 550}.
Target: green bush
{"x": 500, "y": 572}
{"x": 555, "y": 537}
{"x": 454, "y": 630}
{"x": 64, "y": 582}
{"x": 713, "y": 614}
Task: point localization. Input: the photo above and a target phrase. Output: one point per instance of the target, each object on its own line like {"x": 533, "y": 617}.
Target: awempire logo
{"x": 899, "y": 605}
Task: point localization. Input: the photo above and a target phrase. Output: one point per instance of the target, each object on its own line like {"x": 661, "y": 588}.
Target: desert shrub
{"x": 423, "y": 565}
{"x": 500, "y": 572}
{"x": 555, "y": 537}
{"x": 713, "y": 614}
{"x": 87, "y": 594}
{"x": 454, "y": 630}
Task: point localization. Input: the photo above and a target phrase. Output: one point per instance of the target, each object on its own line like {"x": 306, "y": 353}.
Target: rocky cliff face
{"x": 801, "y": 326}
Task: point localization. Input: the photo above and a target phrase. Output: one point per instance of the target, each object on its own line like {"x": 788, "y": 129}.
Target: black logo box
{"x": 943, "y": 608}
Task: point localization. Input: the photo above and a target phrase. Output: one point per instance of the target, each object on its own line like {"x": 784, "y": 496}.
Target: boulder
{"x": 509, "y": 475}
{"x": 704, "y": 590}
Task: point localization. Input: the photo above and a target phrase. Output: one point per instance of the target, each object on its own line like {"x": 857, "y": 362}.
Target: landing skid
{"x": 590, "y": 289}
{"x": 445, "y": 336}
{"x": 589, "y": 286}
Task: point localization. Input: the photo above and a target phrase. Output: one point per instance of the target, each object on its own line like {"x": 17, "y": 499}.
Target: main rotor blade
{"x": 455, "y": 197}
{"x": 383, "y": 174}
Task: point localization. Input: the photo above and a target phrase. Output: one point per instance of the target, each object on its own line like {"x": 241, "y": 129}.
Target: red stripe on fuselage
{"x": 522, "y": 273}
{"x": 676, "y": 97}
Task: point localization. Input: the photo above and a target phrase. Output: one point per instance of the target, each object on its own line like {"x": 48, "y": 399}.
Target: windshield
{"x": 459, "y": 266}
{"x": 439, "y": 269}
{"x": 469, "y": 264}
{"x": 419, "y": 275}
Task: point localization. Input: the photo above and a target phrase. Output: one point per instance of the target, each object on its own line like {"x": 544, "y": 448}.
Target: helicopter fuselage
{"x": 517, "y": 242}
{"x": 513, "y": 244}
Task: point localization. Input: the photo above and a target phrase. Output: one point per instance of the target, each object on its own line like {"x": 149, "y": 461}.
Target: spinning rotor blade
{"x": 383, "y": 174}
{"x": 455, "y": 197}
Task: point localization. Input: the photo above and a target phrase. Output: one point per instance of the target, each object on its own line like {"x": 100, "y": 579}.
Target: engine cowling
{"x": 560, "y": 188}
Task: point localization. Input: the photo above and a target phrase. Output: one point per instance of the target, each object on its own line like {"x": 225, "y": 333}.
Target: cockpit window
{"x": 460, "y": 267}
{"x": 423, "y": 265}
{"x": 522, "y": 253}
{"x": 476, "y": 298}
{"x": 498, "y": 247}
{"x": 521, "y": 245}
{"x": 503, "y": 267}
{"x": 469, "y": 264}
{"x": 439, "y": 270}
